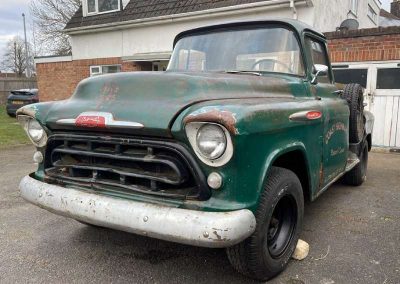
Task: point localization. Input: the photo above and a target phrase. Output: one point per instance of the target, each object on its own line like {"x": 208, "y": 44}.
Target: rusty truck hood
{"x": 156, "y": 99}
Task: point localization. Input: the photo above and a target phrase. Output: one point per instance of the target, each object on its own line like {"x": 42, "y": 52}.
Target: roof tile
{"x": 144, "y": 9}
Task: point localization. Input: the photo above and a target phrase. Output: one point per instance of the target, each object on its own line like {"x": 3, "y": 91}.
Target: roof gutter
{"x": 225, "y": 11}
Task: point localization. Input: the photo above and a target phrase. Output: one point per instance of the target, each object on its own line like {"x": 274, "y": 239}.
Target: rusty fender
{"x": 206, "y": 229}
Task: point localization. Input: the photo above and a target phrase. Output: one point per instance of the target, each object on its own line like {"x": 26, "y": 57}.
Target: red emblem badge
{"x": 91, "y": 121}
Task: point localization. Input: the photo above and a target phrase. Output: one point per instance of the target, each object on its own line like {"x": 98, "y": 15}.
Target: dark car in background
{"x": 20, "y": 98}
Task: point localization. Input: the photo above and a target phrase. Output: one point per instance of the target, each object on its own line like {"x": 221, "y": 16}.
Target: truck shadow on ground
{"x": 139, "y": 254}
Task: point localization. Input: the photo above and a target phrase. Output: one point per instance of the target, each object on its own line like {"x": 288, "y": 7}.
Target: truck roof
{"x": 296, "y": 25}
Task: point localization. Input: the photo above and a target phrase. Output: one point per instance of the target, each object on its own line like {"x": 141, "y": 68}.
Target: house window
{"x": 372, "y": 14}
{"x": 104, "y": 69}
{"x": 354, "y": 6}
{"x": 388, "y": 79}
{"x": 102, "y": 6}
{"x": 347, "y": 76}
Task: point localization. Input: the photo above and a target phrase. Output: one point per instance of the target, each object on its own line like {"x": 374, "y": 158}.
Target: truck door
{"x": 335, "y": 140}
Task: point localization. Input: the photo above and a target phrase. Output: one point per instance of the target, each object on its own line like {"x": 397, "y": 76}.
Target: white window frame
{"x": 86, "y": 8}
{"x": 374, "y": 17}
{"x": 101, "y": 69}
{"x": 92, "y": 73}
{"x": 354, "y": 7}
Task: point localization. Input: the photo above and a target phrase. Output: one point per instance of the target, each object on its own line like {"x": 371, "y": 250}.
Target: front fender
{"x": 261, "y": 132}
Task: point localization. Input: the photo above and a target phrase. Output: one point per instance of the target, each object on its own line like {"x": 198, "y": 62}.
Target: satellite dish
{"x": 349, "y": 24}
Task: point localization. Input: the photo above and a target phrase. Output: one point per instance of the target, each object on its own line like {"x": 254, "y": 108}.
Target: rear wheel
{"x": 279, "y": 218}
{"x": 358, "y": 175}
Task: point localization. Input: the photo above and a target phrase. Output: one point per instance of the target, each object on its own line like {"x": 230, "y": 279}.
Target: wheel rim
{"x": 282, "y": 226}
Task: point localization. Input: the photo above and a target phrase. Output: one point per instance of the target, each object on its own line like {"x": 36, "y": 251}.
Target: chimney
{"x": 395, "y": 8}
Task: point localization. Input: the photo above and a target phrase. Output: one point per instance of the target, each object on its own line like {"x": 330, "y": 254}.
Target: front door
{"x": 335, "y": 141}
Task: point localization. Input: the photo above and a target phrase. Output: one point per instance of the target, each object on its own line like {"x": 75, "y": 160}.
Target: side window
{"x": 319, "y": 55}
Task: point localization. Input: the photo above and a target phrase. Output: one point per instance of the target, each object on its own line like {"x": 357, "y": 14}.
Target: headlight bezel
{"x": 26, "y": 123}
{"x": 192, "y": 130}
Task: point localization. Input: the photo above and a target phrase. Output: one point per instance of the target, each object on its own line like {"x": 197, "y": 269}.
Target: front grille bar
{"x": 125, "y": 165}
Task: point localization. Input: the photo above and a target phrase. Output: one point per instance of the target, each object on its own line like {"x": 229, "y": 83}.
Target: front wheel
{"x": 279, "y": 218}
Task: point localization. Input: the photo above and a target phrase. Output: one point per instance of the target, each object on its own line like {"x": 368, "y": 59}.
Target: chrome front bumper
{"x": 206, "y": 229}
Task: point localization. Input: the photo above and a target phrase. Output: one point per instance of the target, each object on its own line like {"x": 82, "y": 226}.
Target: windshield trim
{"x": 247, "y": 26}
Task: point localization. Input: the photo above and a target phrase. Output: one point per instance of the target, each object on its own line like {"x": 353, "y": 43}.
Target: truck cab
{"x": 219, "y": 151}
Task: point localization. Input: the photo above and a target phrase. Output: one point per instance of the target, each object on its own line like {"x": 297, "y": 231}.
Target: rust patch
{"x": 225, "y": 118}
{"x": 108, "y": 94}
{"x": 27, "y": 111}
{"x": 321, "y": 176}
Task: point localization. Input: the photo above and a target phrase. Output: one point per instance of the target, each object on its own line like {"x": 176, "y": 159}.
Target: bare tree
{"x": 50, "y": 18}
{"x": 14, "y": 57}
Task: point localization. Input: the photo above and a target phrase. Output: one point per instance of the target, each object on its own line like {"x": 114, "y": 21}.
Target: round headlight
{"x": 35, "y": 131}
{"x": 211, "y": 141}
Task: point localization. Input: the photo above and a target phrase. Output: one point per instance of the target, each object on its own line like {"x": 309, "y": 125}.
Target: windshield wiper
{"x": 243, "y": 72}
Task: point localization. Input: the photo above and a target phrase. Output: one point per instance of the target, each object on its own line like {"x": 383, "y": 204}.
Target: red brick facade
{"x": 377, "y": 44}
{"x": 58, "y": 80}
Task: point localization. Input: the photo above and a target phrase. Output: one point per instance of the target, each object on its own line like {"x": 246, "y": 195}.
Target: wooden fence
{"x": 10, "y": 84}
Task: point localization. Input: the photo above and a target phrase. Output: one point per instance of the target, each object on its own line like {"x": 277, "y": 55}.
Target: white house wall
{"x": 159, "y": 38}
{"x": 329, "y": 14}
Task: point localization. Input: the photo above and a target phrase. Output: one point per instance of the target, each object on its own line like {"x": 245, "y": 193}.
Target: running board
{"x": 352, "y": 161}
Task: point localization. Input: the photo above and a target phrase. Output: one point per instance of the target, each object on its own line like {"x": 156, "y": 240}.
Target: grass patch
{"x": 11, "y": 132}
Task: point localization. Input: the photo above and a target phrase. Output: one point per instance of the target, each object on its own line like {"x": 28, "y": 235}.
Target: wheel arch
{"x": 284, "y": 158}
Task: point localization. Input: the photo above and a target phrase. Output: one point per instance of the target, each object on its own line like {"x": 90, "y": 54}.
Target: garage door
{"x": 382, "y": 94}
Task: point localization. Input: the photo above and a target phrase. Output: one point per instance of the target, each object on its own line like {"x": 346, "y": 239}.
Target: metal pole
{"x": 26, "y": 50}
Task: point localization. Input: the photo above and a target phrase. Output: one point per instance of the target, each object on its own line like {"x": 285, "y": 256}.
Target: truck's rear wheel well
{"x": 296, "y": 162}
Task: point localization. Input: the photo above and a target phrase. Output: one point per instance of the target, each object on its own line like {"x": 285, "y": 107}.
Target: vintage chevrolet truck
{"x": 219, "y": 151}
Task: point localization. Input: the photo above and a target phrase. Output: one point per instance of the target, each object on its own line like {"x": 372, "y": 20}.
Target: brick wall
{"x": 377, "y": 44}
{"x": 58, "y": 80}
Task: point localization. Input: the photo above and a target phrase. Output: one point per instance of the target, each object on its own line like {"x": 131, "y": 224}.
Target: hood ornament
{"x": 99, "y": 120}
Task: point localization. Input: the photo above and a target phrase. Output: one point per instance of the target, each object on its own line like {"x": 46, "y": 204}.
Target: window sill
{"x": 351, "y": 12}
{"x": 101, "y": 13}
{"x": 372, "y": 20}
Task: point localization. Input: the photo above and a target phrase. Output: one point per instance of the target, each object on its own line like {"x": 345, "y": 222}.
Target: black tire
{"x": 279, "y": 218}
{"x": 353, "y": 93}
{"x": 11, "y": 114}
{"x": 358, "y": 175}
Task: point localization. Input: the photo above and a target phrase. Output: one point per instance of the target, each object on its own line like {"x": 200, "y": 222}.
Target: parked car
{"x": 219, "y": 151}
{"x": 20, "y": 98}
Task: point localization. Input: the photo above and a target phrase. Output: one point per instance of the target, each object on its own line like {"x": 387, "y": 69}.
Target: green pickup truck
{"x": 219, "y": 151}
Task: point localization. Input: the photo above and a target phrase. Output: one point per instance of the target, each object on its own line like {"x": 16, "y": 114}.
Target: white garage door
{"x": 382, "y": 93}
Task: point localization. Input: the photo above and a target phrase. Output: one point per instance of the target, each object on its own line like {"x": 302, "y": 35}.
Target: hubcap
{"x": 282, "y": 226}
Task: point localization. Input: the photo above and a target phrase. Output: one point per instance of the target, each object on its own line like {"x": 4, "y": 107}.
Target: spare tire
{"x": 353, "y": 93}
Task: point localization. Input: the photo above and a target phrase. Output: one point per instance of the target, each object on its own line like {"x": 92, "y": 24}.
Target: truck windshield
{"x": 256, "y": 50}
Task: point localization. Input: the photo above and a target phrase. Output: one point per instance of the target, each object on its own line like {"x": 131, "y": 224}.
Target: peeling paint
{"x": 108, "y": 94}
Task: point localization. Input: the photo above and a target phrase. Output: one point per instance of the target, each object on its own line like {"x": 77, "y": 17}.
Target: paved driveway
{"x": 354, "y": 235}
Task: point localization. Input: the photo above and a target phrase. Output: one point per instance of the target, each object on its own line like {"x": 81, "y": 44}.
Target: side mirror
{"x": 319, "y": 71}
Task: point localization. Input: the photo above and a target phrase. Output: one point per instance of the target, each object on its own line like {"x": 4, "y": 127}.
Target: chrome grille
{"x": 124, "y": 166}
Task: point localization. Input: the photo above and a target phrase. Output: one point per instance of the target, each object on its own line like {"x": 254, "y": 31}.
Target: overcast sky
{"x": 11, "y": 19}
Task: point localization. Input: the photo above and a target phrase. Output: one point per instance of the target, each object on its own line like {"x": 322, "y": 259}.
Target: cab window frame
{"x": 308, "y": 50}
